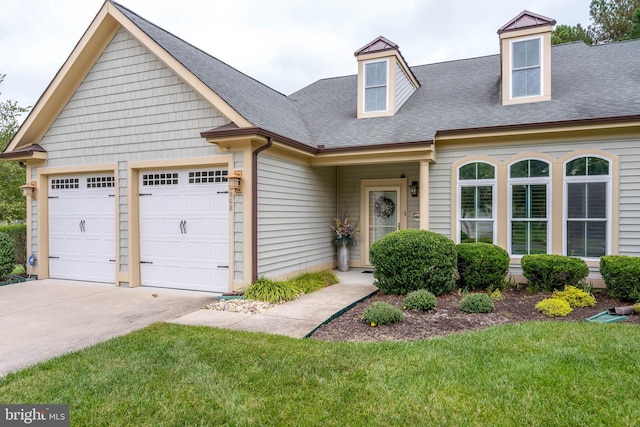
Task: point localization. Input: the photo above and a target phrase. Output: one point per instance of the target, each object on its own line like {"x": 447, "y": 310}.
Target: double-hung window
{"x": 587, "y": 183}
{"x": 476, "y": 202}
{"x": 375, "y": 86}
{"x": 529, "y": 207}
{"x": 526, "y": 75}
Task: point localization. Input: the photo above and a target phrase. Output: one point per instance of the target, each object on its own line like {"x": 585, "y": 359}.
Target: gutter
{"x": 254, "y": 211}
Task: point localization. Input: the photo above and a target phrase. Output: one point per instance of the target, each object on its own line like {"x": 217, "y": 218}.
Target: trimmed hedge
{"x": 482, "y": 266}
{"x": 18, "y": 233}
{"x": 621, "y": 274}
{"x": 7, "y": 255}
{"x": 476, "y": 303}
{"x": 421, "y": 299}
{"x": 550, "y": 272}
{"x": 408, "y": 260}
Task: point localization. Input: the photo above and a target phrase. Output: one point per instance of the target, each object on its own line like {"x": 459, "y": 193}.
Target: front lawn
{"x": 540, "y": 373}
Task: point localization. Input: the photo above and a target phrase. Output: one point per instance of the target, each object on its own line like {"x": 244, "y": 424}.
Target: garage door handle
{"x": 183, "y": 227}
{"x": 82, "y": 229}
{"x": 146, "y": 262}
{"x": 223, "y": 266}
{"x": 54, "y": 257}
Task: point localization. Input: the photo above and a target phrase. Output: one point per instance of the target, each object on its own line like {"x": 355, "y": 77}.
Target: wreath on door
{"x": 384, "y": 207}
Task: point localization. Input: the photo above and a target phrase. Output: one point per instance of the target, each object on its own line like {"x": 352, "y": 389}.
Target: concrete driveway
{"x": 46, "y": 318}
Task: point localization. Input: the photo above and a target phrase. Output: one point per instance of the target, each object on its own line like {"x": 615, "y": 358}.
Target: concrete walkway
{"x": 298, "y": 318}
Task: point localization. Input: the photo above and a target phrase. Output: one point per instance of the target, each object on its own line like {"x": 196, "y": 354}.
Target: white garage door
{"x": 82, "y": 227}
{"x": 184, "y": 229}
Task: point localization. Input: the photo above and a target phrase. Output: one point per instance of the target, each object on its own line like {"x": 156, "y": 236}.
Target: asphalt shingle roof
{"x": 587, "y": 82}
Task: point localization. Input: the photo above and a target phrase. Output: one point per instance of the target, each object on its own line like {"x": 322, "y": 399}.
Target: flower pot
{"x": 343, "y": 257}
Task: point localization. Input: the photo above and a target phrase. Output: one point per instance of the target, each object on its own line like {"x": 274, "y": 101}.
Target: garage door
{"x": 82, "y": 227}
{"x": 184, "y": 229}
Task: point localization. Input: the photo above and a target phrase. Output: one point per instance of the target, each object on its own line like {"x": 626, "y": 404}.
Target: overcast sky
{"x": 286, "y": 44}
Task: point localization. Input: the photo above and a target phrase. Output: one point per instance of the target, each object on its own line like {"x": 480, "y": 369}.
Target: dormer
{"x": 385, "y": 81}
{"x": 525, "y": 50}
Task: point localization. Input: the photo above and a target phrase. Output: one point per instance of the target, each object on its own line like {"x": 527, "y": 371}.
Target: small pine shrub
{"x": 550, "y": 272}
{"x": 382, "y": 313}
{"x": 269, "y": 290}
{"x": 636, "y": 308}
{"x": 575, "y": 297}
{"x": 408, "y": 260}
{"x": 482, "y": 266}
{"x": 621, "y": 274}
{"x": 421, "y": 299}
{"x": 7, "y": 255}
{"x": 554, "y": 307}
{"x": 476, "y": 303}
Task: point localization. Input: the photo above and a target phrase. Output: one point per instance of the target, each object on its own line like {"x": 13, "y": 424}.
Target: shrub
{"x": 421, "y": 299}
{"x": 636, "y": 308}
{"x": 482, "y": 266}
{"x": 7, "y": 255}
{"x": 476, "y": 303}
{"x": 549, "y": 272}
{"x": 382, "y": 313}
{"x": 554, "y": 307}
{"x": 496, "y": 295}
{"x": 18, "y": 233}
{"x": 575, "y": 297}
{"x": 269, "y": 290}
{"x": 621, "y": 274}
{"x": 408, "y": 260}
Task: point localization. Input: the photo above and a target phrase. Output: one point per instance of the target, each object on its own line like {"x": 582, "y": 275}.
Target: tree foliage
{"x": 611, "y": 21}
{"x": 12, "y": 175}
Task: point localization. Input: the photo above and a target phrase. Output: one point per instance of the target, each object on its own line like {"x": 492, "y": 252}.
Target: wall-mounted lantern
{"x": 29, "y": 190}
{"x": 235, "y": 181}
{"x": 413, "y": 188}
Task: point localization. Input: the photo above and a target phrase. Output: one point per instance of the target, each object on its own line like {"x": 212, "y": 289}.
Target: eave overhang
{"x": 227, "y": 136}
{"x": 30, "y": 153}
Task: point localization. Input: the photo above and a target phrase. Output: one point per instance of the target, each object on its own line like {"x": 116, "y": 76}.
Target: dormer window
{"x": 525, "y": 50}
{"x": 375, "y": 86}
{"x": 526, "y": 74}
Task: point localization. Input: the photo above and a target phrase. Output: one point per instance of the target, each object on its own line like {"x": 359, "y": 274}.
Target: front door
{"x": 385, "y": 213}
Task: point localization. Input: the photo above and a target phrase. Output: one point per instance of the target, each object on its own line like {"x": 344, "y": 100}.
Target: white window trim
{"x": 528, "y": 181}
{"x": 364, "y": 86}
{"x": 476, "y": 183}
{"x": 566, "y": 180}
{"x": 511, "y": 67}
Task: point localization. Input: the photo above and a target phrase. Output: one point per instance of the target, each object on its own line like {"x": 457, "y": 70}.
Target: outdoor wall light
{"x": 235, "y": 181}
{"x": 29, "y": 190}
{"x": 413, "y": 188}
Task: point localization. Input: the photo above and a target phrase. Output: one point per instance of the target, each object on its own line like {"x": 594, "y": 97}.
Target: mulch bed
{"x": 516, "y": 306}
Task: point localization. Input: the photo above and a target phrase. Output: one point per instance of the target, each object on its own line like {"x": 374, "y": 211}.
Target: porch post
{"x": 423, "y": 195}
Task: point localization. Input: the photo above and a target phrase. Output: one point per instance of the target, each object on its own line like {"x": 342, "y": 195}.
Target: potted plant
{"x": 345, "y": 235}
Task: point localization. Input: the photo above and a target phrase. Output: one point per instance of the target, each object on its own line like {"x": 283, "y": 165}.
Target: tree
{"x": 568, "y": 33}
{"x": 12, "y": 175}
{"x": 611, "y": 21}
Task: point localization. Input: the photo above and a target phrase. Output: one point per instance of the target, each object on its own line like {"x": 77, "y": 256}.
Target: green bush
{"x": 621, "y": 274}
{"x": 550, "y": 272}
{"x": 421, "y": 299}
{"x": 575, "y": 297}
{"x": 408, "y": 260}
{"x": 269, "y": 290}
{"x": 382, "y": 313}
{"x": 476, "y": 303}
{"x": 18, "y": 233}
{"x": 7, "y": 255}
{"x": 554, "y": 307}
{"x": 482, "y": 266}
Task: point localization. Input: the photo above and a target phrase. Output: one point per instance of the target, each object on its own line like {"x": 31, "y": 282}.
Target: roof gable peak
{"x": 525, "y": 20}
{"x": 379, "y": 44}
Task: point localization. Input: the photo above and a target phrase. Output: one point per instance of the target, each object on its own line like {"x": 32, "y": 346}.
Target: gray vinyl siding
{"x": 349, "y": 188}
{"x": 404, "y": 87}
{"x": 296, "y": 206}
{"x": 627, "y": 150}
{"x": 129, "y": 107}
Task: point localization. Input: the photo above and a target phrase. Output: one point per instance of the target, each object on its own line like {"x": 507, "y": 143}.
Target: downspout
{"x": 254, "y": 213}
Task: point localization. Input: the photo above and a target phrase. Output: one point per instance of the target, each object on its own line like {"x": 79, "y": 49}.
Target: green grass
{"x": 544, "y": 374}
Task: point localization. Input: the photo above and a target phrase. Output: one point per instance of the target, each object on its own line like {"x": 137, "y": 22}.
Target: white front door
{"x": 184, "y": 229}
{"x": 384, "y": 214}
{"x": 82, "y": 227}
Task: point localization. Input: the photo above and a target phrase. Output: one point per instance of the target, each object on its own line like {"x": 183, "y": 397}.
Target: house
{"x": 150, "y": 162}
